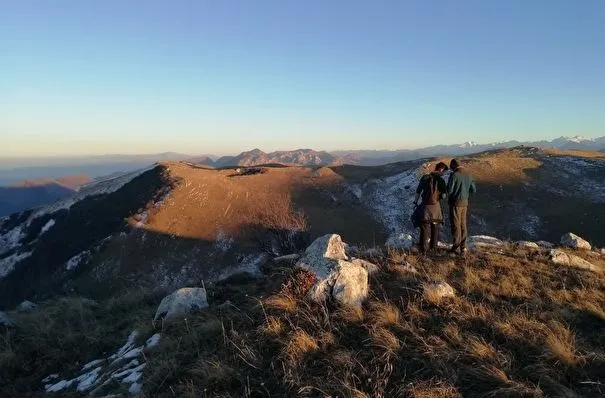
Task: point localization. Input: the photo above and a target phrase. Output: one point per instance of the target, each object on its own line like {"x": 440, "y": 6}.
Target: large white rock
{"x": 181, "y": 302}
{"x": 4, "y": 319}
{"x": 368, "y": 266}
{"x": 483, "y": 241}
{"x": 401, "y": 242}
{"x": 343, "y": 281}
{"x": 572, "y": 240}
{"x": 438, "y": 291}
{"x": 559, "y": 257}
{"x": 322, "y": 256}
{"x": 26, "y": 306}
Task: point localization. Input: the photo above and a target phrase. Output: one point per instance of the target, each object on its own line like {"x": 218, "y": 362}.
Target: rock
{"x": 351, "y": 285}
{"x": 323, "y": 255}
{"x": 544, "y": 244}
{"x": 368, "y": 266}
{"x": 289, "y": 258}
{"x": 26, "y": 306}
{"x": 572, "y": 240}
{"x": 181, "y": 302}
{"x": 559, "y": 257}
{"x": 401, "y": 241}
{"x": 435, "y": 291}
{"x": 343, "y": 281}
{"x": 602, "y": 251}
{"x": 483, "y": 241}
{"x": 5, "y": 320}
{"x": 523, "y": 244}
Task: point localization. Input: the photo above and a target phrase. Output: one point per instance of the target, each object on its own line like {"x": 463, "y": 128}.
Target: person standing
{"x": 431, "y": 189}
{"x": 459, "y": 187}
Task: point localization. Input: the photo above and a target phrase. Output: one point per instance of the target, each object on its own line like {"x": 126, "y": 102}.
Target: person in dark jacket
{"x": 459, "y": 187}
{"x": 431, "y": 189}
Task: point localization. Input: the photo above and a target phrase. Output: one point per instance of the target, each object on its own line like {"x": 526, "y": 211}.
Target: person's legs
{"x": 456, "y": 232}
{"x": 463, "y": 227}
{"x": 434, "y": 235}
{"x": 424, "y": 236}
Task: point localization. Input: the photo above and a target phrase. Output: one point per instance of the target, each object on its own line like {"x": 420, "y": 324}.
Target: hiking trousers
{"x": 458, "y": 217}
{"x": 429, "y": 229}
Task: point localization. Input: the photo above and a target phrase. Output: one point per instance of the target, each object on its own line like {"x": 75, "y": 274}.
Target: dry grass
{"x": 299, "y": 344}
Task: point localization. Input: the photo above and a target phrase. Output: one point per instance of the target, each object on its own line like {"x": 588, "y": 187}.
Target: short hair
{"x": 441, "y": 166}
{"x": 454, "y": 164}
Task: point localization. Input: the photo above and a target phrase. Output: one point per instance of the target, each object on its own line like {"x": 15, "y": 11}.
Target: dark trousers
{"x": 429, "y": 229}
{"x": 458, "y": 216}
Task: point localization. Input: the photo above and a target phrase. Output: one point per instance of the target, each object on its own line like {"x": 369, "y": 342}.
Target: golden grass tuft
{"x": 384, "y": 314}
{"x": 384, "y": 338}
{"x": 431, "y": 389}
{"x": 273, "y": 326}
{"x": 560, "y": 341}
{"x": 282, "y": 302}
{"x": 299, "y": 345}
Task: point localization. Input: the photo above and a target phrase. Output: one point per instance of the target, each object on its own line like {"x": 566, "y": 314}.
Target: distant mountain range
{"x": 296, "y": 157}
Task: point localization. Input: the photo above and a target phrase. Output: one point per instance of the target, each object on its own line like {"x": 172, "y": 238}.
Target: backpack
{"x": 431, "y": 194}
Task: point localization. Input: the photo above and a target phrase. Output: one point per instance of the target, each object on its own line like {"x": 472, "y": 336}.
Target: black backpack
{"x": 431, "y": 194}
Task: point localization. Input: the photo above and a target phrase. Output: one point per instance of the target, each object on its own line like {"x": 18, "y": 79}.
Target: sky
{"x": 223, "y": 76}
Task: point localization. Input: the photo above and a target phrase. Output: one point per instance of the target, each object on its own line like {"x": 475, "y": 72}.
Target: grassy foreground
{"x": 519, "y": 326}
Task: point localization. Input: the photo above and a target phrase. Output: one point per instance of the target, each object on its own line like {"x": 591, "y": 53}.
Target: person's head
{"x": 441, "y": 167}
{"x": 454, "y": 164}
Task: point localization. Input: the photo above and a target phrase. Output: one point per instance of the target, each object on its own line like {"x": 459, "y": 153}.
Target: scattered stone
{"x": 545, "y": 244}
{"x": 5, "y": 320}
{"x": 483, "y": 242}
{"x": 289, "y": 258}
{"x": 181, "y": 302}
{"x": 401, "y": 242}
{"x": 523, "y": 244}
{"x": 572, "y": 240}
{"x": 26, "y": 306}
{"x": 559, "y": 257}
{"x": 343, "y": 281}
{"x": 368, "y": 266}
{"x": 438, "y": 291}
{"x": 323, "y": 255}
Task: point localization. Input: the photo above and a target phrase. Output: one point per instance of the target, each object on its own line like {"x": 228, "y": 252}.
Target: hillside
{"x": 518, "y": 325}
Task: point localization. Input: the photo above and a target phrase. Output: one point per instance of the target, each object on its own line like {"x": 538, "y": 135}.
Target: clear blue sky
{"x": 79, "y": 77}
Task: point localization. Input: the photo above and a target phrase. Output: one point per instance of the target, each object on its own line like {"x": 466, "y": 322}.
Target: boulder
{"x": 523, "y": 244}
{"x": 181, "y": 302}
{"x": 323, "y": 255}
{"x": 368, "y": 266}
{"x": 544, "y": 244}
{"x": 5, "y": 320}
{"x": 26, "y": 306}
{"x": 483, "y": 241}
{"x": 559, "y": 257}
{"x": 401, "y": 242}
{"x": 436, "y": 291}
{"x": 343, "y": 281}
{"x": 572, "y": 240}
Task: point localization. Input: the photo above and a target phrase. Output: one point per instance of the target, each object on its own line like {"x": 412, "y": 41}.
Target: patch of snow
{"x": 91, "y": 364}
{"x": 47, "y": 226}
{"x": 125, "y": 366}
{"x": 250, "y": 265}
{"x": 11, "y": 239}
{"x": 8, "y": 264}
{"x": 392, "y": 199}
{"x": 356, "y": 190}
{"x": 76, "y": 260}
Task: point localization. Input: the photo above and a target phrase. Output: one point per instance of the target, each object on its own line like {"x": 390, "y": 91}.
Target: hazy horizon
{"x": 134, "y": 77}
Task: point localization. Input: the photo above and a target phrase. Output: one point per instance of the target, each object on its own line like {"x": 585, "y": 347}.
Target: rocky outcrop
{"x": 368, "y": 266}
{"x": 181, "y": 302}
{"x": 400, "y": 242}
{"x": 436, "y": 291}
{"x": 344, "y": 281}
{"x": 559, "y": 257}
{"x": 574, "y": 241}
